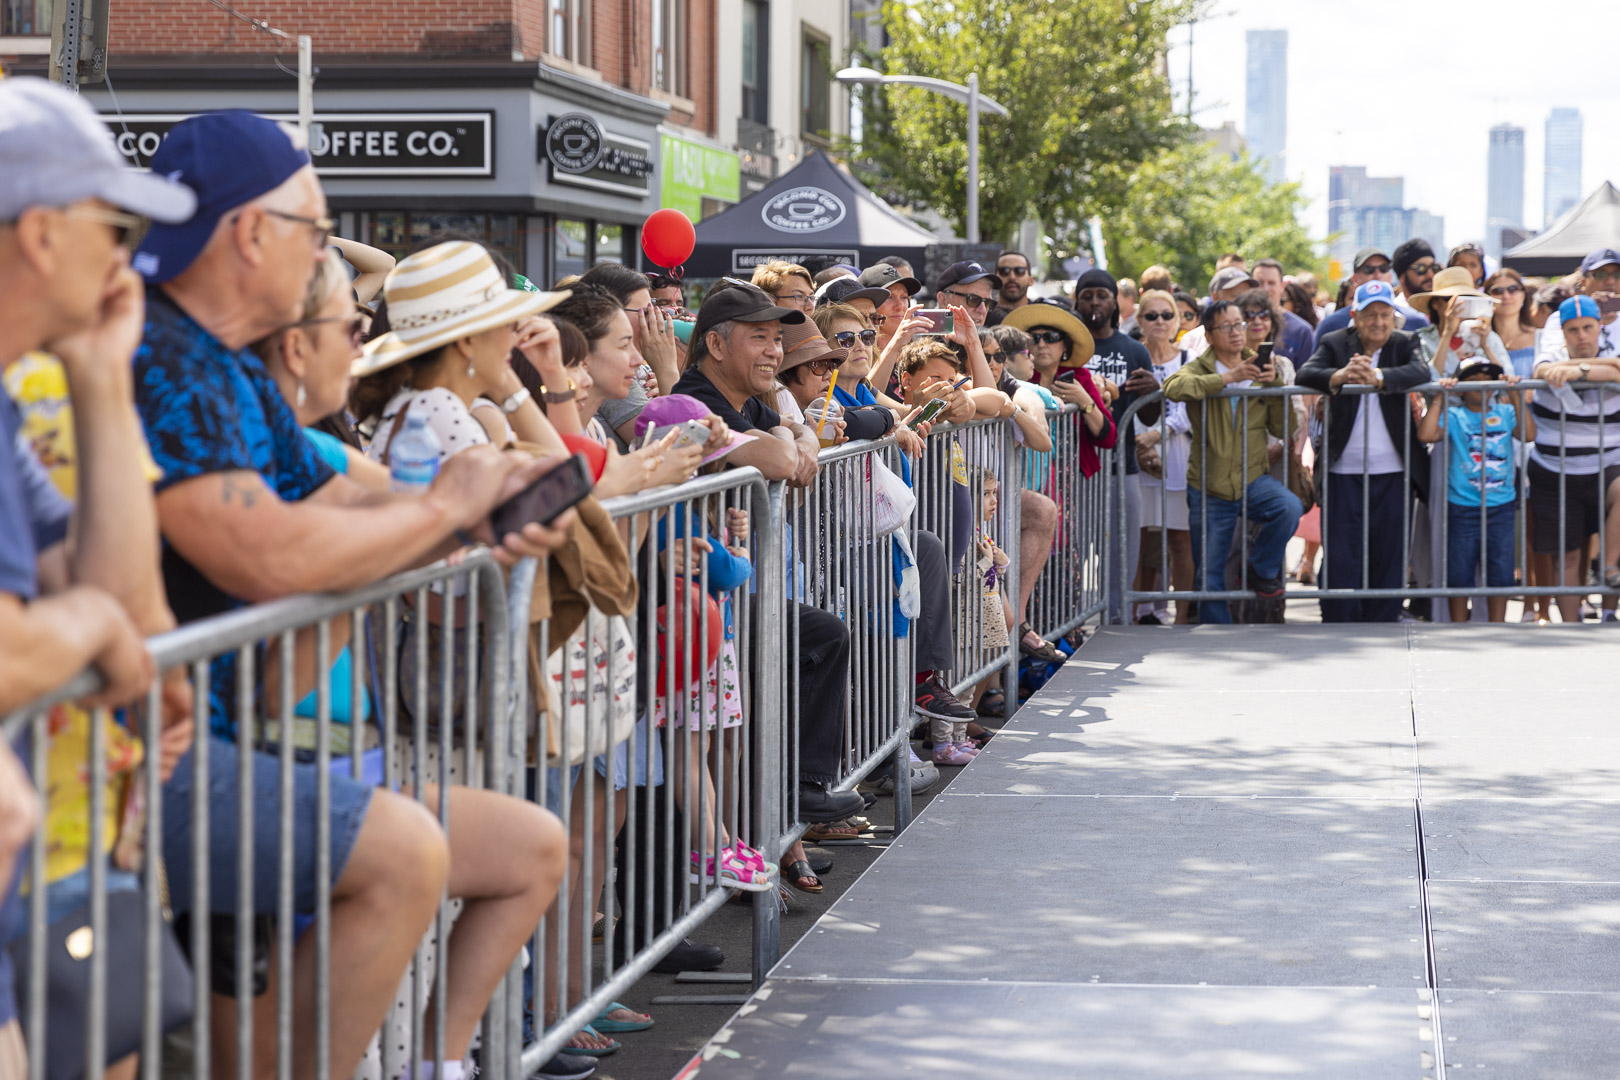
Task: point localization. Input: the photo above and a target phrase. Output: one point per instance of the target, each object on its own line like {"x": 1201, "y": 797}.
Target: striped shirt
{"x": 1585, "y": 422}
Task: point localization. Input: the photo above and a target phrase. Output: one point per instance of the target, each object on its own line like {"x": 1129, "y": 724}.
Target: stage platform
{"x": 1238, "y": 852}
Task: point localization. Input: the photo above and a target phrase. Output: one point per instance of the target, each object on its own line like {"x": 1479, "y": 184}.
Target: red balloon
{"x": 668, "y": 238}
{"x": 689, "y": 634}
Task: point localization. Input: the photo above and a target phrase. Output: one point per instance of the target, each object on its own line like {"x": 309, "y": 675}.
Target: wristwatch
{"x": 1378, "y": 373}
{"x": 515, "y": 400}
{"x": 554, "y": 397}
{"x": 1586, "y": 369}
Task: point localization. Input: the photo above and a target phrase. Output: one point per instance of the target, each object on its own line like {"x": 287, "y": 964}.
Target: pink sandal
{"x": 733, "y": 874}
{"x": 949, "y": 754}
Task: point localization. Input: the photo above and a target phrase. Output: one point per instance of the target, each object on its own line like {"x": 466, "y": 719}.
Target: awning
{"x": 1593, "y": 224}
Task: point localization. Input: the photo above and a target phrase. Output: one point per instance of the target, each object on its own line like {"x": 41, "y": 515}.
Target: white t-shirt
{"x": 787, "y": 406}
{"x": 1175, "y": 450}
{"x": 447, "y": 416}
{"x": 1372, "y": 431}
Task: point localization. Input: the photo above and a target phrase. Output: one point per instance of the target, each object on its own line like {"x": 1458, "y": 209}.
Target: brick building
{"x": 550, "y": 128}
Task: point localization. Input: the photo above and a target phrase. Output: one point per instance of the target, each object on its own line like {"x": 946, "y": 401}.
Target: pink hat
{"x": 670, "y": 410}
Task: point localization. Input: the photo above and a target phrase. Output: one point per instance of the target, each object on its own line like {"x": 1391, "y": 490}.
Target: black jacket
{"x": 1404, "y": 369}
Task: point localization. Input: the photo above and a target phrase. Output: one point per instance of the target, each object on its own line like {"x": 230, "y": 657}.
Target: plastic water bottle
{"x": 413, "y": 457}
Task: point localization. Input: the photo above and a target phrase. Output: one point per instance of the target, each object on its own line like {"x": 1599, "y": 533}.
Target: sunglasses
{"x": 998, "y": 357}
{"x": 1012, "y": 271}
{"x": 1376, "y": 268}
{"x": 822, "y": 367}
{"x": 968, "y": 300}
{"x": 1189, "y": 316}
{"x": 1259, "y": 313}
{"x": 1156, "y": 316}
{"x": 128, "y": 229}
{"x": 1505, "y": 290}
{"x": 877, "y": 320}
{"x": 1423, "y": 269}
{"x": 357, "y": 325}
{"x": 846, "y": 338}
{"x": 1048, "y": 337}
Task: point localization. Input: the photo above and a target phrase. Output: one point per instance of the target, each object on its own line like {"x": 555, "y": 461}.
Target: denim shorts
{"x": 67, "y": 895}
{"x": 346, "y": 812}
{"x": 1462, "y": 545}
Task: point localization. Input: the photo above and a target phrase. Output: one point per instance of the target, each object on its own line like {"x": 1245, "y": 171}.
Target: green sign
{"x": 693, "y": 172}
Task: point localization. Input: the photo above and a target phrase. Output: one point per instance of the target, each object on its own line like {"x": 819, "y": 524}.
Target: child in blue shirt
{"x": 1479, "y": 432}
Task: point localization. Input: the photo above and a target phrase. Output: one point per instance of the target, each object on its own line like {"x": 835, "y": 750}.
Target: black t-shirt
{"x": 753, "y": 416}
{"x": 1116, "y": 357}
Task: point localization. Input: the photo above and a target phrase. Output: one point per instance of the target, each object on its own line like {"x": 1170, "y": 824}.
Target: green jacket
{"x": 1197, "y": 381}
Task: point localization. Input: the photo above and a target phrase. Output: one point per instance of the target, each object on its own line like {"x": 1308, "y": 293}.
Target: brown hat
{"x": 802, "y": 343}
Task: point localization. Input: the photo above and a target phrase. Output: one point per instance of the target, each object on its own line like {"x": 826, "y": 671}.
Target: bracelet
{"x": 557, "y": 397}
{"x": 514, "y": 402}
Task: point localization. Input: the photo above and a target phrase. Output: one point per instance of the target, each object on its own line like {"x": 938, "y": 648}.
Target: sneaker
{"x": 951, "y": 755}
{"x": 566, "y": 1067}
{"x": 968, "y": 748}
{"x": 1609, "y": 616}
{"x": 934, "y": 699}
{"x": 923, "y": 776}
{"x": 1150, "y": 619}
{"x": 689, "y": 955}
{"x": 1266, "y": 588}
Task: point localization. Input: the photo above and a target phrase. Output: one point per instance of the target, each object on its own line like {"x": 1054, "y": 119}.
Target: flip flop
{"x": 797, "y": 873}
{"x": 836, "y": 830}
{"x": 612, "y": 1047}
{"x": 615, "y": 1027}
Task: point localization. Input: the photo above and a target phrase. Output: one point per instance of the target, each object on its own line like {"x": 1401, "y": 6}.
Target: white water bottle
{"x": 413, "y": 457}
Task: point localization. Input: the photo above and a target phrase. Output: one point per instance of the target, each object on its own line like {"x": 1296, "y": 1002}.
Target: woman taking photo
{"x": 1163, "y": 450}
{"x": 1512, "y": 319}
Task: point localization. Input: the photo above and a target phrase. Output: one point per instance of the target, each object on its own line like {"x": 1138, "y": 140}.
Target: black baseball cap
{"x": 883, "y": 275}
{"x": 843, "y": 290}
{"x": 736, "y": 301}
{"x": 962, "y": 273}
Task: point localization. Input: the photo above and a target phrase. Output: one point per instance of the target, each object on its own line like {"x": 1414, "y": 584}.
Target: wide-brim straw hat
{"x": 443, "y": 294}
{"x": 1452, "y": 281}
{"x": 1046, "y": 313}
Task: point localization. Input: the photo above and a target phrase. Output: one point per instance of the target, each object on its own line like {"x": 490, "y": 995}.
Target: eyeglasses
{"x": 968, "y": 300}
{"x": 1423, "y": 269}
{"x": 1505, "y": 290}
{"x": 846, "y": 338}
{"x": 1376, "y": 268}
{"x": 822, "y": 367}
{"x": 1156, "y": 316}
{"x": 1257, "y": 314}
{"x": 794, "y": 297}
{"x": 127, "y": 228}
{"x": 323, "y": 226}
{"x": 1232, "y": 328}
{"x": 357, "y": 325}
{"x": 1012, "y": 271}
{"x": 1048, "y": 337}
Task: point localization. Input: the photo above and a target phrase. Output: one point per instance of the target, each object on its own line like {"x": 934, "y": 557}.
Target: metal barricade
{"x": 1069, "y": 590}
{"x": 655, "y": 690}
{"x": 1417, "y": 551}
{"x": 276, "y": 648}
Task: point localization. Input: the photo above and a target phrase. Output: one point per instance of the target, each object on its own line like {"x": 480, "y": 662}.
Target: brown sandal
{"x": 833, "y": 830}
{"x": 799, "y": 875}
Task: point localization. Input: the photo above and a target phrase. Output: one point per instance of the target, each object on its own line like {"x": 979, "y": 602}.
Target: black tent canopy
{"x": 814, "y": 211}
{"x": 1591, "y": 224}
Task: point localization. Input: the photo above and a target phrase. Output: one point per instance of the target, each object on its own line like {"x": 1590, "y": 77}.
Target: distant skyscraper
{"x": 1504, "y": 185}
{"x": 1366, "y": 211}
{"x": 1265, "y": 106}
{"x": 1563, "y": 163}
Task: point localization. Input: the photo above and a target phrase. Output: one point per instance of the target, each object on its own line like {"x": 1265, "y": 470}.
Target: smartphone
{"x": 1477, "y": 307}
{"x": 1262, "y": 354}
{"x": 1609, "y": 305}
{"x": 929, "y": 411}
{"x": 943, "y": 320}
{"x": 688, "y": 433}
{"x": 546, "y": 498}
{"x": 1065, "y": 375}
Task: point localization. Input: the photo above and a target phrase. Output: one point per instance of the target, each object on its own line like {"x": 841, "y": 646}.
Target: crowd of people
{"x": 211, "y": 403}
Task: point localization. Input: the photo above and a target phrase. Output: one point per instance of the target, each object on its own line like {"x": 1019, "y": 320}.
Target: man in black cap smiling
{"x": 736, "y": 351}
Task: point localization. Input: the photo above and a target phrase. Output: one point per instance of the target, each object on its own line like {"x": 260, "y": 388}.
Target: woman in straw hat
{"x": 1449, "y": 339}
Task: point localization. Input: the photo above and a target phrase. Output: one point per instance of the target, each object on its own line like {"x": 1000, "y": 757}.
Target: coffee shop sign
{"x": 354, "y": 144}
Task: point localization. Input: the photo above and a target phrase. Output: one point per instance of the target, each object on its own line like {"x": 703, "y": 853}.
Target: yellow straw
{"x": 826, "y": 405}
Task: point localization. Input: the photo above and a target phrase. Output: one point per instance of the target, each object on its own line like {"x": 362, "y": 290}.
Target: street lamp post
{"x": 969, "y": 95}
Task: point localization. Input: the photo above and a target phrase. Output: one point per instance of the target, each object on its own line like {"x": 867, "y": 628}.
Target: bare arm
{"x": 1432, "y": 428}
{"x": 988, "y": 401}
{"x": 773, "y": 453}
{"x": 45, "y": 643}
{"x": 1030, "y": 416}
{"x": 372, "y": 263}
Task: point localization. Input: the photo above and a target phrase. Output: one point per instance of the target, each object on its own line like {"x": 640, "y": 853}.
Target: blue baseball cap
{"x": 1373, "y": 292}
{"x": 1579, "y": 307}
{"x": 1600, "y": 257}
{"x": 228, "y": 159}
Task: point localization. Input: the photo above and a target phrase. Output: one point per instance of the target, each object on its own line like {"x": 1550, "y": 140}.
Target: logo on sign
{"x": 573, "y": 143}
{"x": 803, "y": 210}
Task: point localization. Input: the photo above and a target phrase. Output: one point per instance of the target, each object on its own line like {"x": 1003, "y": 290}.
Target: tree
{"x": 1084, "y": 82}
{"x": 1191, "y": 204}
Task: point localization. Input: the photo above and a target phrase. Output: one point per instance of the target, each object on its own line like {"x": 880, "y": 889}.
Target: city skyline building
{"x": 1561, "y": 170}
{"x": 1369, "y": 211}
{"x": 1265, "y": 116}
{"x": 1504, "y": 185}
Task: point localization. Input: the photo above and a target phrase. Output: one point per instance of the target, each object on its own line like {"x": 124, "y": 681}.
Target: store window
{"x": 816, "y": 89}
{"x": 400, "y": 232}
{"x": 570, "y": 251}
{"x": 610, "y": 243}
{"x": 669, "y": 46}
{"x": 25, "y": 18}
{"x": 755, "y": 51}
{"x": 570, "y": 30}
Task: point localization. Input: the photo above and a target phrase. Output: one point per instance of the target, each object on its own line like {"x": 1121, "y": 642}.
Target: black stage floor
{"x": 1356, "y": 852}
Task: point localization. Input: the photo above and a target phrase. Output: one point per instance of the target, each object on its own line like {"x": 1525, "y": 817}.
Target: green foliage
{"x": 1190, "y": 204}
{"x": 1083, "y": 80}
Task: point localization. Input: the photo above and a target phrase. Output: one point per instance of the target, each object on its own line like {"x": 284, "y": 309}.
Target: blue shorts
{"x": 347, "y": 811}
{"x": 1462, "y": 545}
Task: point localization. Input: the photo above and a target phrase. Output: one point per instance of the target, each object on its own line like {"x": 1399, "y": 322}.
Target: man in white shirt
{"x": 1367, "y": 489}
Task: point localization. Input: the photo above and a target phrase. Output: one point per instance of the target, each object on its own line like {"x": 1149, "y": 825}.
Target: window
{"x": 755, "y": 50}
{"x": 569, "y": 251}
{"x": 570, "y": 30}
{"x": 609, "y": 243}
{"x": 815, "y": 88}
{"x": 669, "y": 46}
{"x": 25, "y": 18}
{"x": 400, "y": 232}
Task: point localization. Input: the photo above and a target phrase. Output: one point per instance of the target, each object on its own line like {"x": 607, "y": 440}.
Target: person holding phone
{"x": 1060, "y": 345}
{"x": 1457, "y": 328}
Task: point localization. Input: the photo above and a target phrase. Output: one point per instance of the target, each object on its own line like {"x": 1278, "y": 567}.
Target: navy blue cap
{"x": 228, "y": 158}
{"x": 1600, "y": 257}
{"x": 962, "y": 273}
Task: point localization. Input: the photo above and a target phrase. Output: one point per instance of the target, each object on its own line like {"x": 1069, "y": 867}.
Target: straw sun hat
{"x": 443, "y": 294}
{"x": 1452, "y": 281}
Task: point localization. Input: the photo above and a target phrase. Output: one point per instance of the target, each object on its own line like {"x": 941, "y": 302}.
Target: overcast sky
{"x": 1413, "y": 89}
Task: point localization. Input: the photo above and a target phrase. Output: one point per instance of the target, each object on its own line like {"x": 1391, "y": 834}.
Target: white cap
{"x": 54, "y": 150}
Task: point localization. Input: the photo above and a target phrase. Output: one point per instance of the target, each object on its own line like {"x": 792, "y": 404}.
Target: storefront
{"x": 699, "y": 179}
{"x": 554, "y": 172}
